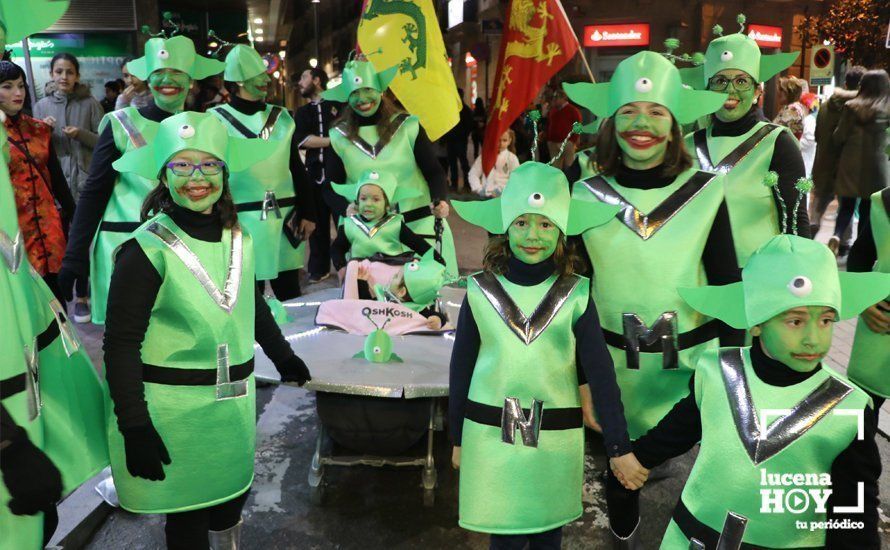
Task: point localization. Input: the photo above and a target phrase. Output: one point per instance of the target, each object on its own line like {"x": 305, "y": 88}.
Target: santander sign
{"x": 631, "y": 34}
{"x": 766, "y": 36}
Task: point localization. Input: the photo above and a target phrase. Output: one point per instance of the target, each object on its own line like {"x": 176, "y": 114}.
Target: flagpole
{"x": 575, "y": 36}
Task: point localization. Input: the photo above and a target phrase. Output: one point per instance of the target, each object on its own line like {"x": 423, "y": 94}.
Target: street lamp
{"x": 313, "y": 62}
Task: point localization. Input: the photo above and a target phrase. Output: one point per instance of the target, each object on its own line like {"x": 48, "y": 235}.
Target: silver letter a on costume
{"x": 225, "y": 388}
{"x": 512, "y": 417}
{"x": 270, "y": 204}
{"x": 663, "y": 330}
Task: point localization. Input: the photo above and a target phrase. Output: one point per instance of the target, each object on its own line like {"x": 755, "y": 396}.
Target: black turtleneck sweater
{"x": 592, "y": 358}
{"x": 134, "y": 288}
{"x": 786, "y": 161}
{"x": 424, "y": 156}
{"x": 96, "y": 193}
{"x": 302, "y": 189}
{"x": 681, "y": 429}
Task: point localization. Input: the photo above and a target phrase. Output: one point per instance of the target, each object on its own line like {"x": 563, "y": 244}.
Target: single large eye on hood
{"x": 163, "y": 54}
{"x": 357, "y": 80}
{"x": 643, "y": 85}
{"x": 800, "y": 286}
{"x": 187, "y": 131}
{"x": 726, "y": 56}
{"x": 536, "y": 200}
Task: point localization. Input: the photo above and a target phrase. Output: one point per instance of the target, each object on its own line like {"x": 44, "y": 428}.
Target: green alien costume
{"x": 654, "y": 338}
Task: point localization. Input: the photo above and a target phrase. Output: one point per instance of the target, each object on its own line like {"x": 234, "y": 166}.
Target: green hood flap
{"x": 357, "y": 75}
{"x": 174, "y": 53}
{"x": 536, "y": 188}
{"x": 243, "y": 63}
{"x": 23, "y": 18}
{"x": 788, "y": 272}
{"x": 645, "y": 76}
{"x": 199, "y": 131}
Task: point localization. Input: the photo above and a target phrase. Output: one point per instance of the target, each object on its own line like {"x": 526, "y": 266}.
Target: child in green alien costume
{"x": 417, "y": 287}
{"x": 527, "y": 330}
{"x": 51, "y": 410}
{"x": 109, "y": 203}
{"x": 183, "y": 315}
{"x": 771, "y": 413}
{"x": 672, "y": 230}
{"x": 870, "y": 357}
{"x": 273, "y": 197}
{"x": 373, "y": 135}
{"x": 374, "y": 232}
{"x": 740, "y": 145}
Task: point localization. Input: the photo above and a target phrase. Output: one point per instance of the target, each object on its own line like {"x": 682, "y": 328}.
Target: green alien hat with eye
{"x": 21, "y": 18}
{"x": 424, "y": 278}
{"x": 645, "y": 76}
{"x": 201, "y": 132}
{"x": 174, "y": 53}
{"x": 243, "y": 63}
{"x": 536, "y": 188}
{"x": 788, "y": 272}
{"x": 385, "y": 180}
{"x": 357, "y": 75}
{"x": 737, "y": 51}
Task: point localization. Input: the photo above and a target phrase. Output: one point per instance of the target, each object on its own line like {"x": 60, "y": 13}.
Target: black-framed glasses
{"x": 186, "y": 169}
{"x": 740, "y": 83}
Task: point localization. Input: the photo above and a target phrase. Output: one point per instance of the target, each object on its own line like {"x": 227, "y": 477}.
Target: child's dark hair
{"x": 67, "y": 57}
{"x": 159, "y": 200}
{"x": 565, "y": 257}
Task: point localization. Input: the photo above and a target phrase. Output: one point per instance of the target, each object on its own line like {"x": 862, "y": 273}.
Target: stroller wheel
{"x": 316, "y": 495}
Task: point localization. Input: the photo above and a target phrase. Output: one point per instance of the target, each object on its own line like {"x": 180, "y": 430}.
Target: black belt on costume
{"x": 416, "y": 214}
{"x": 694, "y": 529}
{"x": 258, "y": 205}
{"x": 16, "y": 384}
{"x": 169, "y": 376}
{"x": 119, "y": 227}
{"x": 568, "y": 418}
{"x": 688, "y": 339}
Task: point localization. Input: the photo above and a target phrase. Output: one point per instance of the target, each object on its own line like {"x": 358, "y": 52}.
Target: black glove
{"x": 145, "y": 452}
{"x": 67, "y": 278}
{"x": 294, "y": 370}
{"x": 33, "y": 481}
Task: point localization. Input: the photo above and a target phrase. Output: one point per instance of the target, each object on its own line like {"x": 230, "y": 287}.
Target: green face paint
{"x": 365, "y": 101}
{"x": 197, "y": 192}
{"x": 256, "y": 88}
{"x": 643, "y": 131}
{"x": 169, "y": 88}
{"x": 738, "y": 103}
{"x": 371, "y": 202}
{"x": 800, "y": 337}
{"x": 533, "y": 238}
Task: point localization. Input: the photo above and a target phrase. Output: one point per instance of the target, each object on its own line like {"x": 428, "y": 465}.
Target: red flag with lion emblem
{"x": 538, "y": 41}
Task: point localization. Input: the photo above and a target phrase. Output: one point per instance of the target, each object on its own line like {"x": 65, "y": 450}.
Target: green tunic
{"x": 258, "y": 189}
{"x": 366, "y": 238}
{"x": 735, "y": 463}
{"x": 745, "y": 160}
{"x": 396, "y": 157}
{"x": 518, "y": 487}
{"x": 653, "y": 246}
{"x": 201, "y": 330}
{"x": 131, "y": 131}
{"x": 870, "y": 358}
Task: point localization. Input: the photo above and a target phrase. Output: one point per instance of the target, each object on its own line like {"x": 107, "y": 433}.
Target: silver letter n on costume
{"x": 512, "y": 417}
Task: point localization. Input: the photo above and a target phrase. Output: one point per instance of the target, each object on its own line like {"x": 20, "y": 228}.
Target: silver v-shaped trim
{"x": 646, "y": 225}
{"x": 370, "y": 232}
{"x": 526, "y": 328}
{"x": 70, "y": 341}
{"x": 12, "y": 250}
{"x": 735, "y": 156}
{"x": 136, "y": 137}
{"x": 762, "y": 445}
{"x": 225, "y": 299}
{"x": 365, "y": 147}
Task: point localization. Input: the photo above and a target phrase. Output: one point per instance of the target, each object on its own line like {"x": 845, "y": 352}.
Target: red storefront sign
{"x": 630, "y": 34}
{"x": 766, "y": 36}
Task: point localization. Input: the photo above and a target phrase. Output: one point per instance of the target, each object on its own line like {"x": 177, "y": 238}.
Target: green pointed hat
{"x": 645, "y": 76}
{"x": 174, "y": 53}
{"x": 385, "y": 180}
{"x": 199, "y": 131}
{"x": 740, "y": 52}
{"x": 788, "y": 272}
{"x": 424, "y": 278}
{"x": 243, "y": 63}
{"x": 357, "y": 75}
{"x": 21, "y": 18}
{"x": 536, "y": 188}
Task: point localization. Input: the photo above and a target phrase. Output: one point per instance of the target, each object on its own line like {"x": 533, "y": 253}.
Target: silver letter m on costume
{"x": 512, "y": 417}
{"x": 663, "y": 331}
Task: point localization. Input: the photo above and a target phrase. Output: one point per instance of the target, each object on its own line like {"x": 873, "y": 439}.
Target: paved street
{"x": 373, "y": 508}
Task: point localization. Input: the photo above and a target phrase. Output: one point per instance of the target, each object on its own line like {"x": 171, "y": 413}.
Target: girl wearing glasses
{"x": 740, "y": 143}
{"x": 183, "y": 314}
